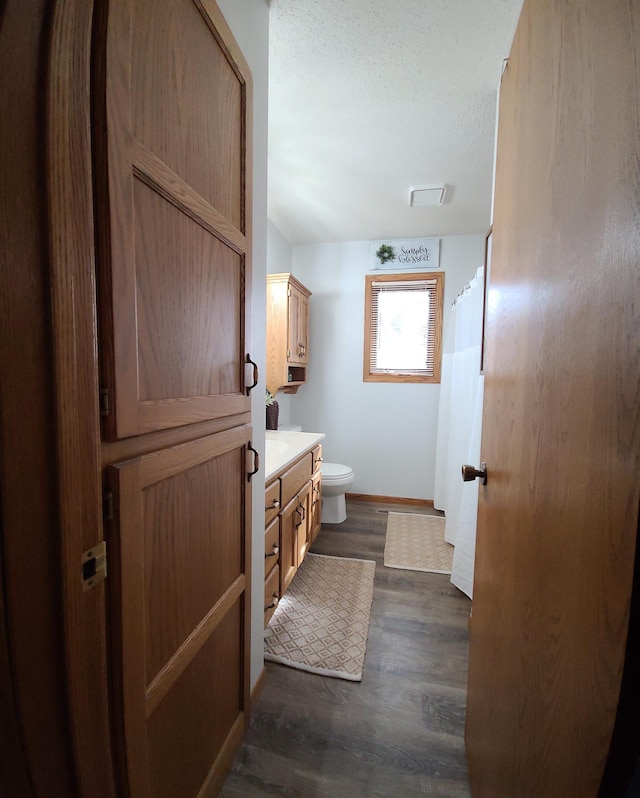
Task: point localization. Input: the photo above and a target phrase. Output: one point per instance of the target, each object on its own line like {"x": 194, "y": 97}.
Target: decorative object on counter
{"x": 416, "y": 543}
{"x": 272, "y": 412}
{"x": 321, "y": 624}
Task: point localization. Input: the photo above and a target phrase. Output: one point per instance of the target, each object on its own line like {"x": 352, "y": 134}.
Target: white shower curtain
{"x": 460, "y": 428}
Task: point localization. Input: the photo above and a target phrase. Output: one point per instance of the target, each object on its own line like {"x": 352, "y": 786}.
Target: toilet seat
{"x": 335, "y": 473}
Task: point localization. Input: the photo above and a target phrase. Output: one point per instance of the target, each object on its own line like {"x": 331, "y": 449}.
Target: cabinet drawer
{"x": 295, "y": 478}
{"x": 271, "y": 545}
{"x": 271, "y": 501}
{"x": 271, "y": 594}
{"x": 316, "y": 455}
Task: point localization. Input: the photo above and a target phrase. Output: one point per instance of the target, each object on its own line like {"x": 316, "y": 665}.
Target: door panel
{"x": 185, "y": 89}
{"x": 179, "y": 595}
{"x": 557, "y": 520}
{"x": 303, "y": 523}
{"x": 177, "y": 359}
{"x": 171, "y": 161}
{"x": 192, "y": 723}
{"x": 289, "y": 539}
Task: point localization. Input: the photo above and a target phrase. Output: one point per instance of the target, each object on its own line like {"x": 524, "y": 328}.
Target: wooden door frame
{"x": 55, "y": 673}
{"x": 70, "y": 195}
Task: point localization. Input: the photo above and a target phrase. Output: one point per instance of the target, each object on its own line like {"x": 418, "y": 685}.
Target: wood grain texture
{"x": 181, "y": 106}
{"x": 189, "y": 294}
{"x": 178, "y": 561}
{"x": 368, "y": 376}
{"x": 287, "y": 330}
{"x": 133, "y": 447}
{"x": 288, "y": 541}
{"x": 151, "y": 170}
{"x": 36, "y": 757}
{"x": 400, "y": 731}
{"x": 173, "y": 258}
{"x": 174, "y": 667}
{"x": 193, "y": 551}
{"x": 365, "y": 497}
{"x": 76, "y": 417}
{"x": 561, "y": 432}
{"x": 181, "y": 293}
{"x": 203, "y": 705}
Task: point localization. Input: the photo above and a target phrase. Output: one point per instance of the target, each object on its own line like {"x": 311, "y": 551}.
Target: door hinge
{"x": 288, "y": 292}
{"x": 288, "y": 353}
{"x": 104, "y": 402}
{"x": 107, "y": 505}
{"x": 94, "y": 565}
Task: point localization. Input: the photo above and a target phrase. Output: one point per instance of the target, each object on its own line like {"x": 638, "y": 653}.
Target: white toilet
{"x": 336, "y": 481}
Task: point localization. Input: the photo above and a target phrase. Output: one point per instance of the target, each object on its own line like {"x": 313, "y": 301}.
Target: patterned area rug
{"x": 322, "y": 622}
{"x": 416, "y": 543}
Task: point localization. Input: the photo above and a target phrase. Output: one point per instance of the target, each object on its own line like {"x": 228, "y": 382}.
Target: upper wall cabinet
{"x": 287, "y": 333}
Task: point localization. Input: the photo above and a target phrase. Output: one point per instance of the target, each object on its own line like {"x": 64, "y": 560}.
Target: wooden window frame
{"x": 399, "y": 376}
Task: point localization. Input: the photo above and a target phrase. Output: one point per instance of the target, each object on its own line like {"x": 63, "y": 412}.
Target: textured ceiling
{"x": 368, "y": 98}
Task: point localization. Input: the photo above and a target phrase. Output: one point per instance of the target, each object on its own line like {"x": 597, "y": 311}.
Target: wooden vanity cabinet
{"x": 287, "y": 333}
{"x": 292, "y": 520}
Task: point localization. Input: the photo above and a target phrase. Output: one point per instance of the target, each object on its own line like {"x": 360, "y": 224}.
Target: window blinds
{"x": 402, "y": 330}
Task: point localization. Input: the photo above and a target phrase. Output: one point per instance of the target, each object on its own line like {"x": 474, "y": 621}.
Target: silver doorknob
{"x": 469, "y": 473}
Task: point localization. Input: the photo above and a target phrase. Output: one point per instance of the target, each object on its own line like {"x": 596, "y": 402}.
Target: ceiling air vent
{"x": 426, "y": 195}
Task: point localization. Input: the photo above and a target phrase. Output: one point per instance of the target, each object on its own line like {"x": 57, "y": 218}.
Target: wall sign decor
{"x": 407, "y": 253}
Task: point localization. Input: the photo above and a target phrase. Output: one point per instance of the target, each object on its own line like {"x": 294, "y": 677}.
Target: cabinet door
{"x": 173, "y": 209}
{"x": 303, "y": 523}
{"x": 303, "y": 327}
{"x": 298, "y": 321}
{"x": 316, "y": 506}
{"x": 178, "y": 559}
{"x": 288, "y": 543}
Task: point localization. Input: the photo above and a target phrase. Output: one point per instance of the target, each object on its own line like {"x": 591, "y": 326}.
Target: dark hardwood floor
{"x": 397, "y": 733}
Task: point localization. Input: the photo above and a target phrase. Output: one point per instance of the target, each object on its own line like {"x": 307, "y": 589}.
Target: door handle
{"x": 469, "y": 473}
{"x": 250, "y": 362}
{"x": 256, "y": 462}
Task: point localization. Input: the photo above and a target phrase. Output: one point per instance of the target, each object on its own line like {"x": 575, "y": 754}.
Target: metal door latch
{"x": 94, "y": 565}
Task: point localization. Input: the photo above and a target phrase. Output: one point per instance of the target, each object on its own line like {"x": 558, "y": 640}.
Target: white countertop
{"x": 282, "y": 448}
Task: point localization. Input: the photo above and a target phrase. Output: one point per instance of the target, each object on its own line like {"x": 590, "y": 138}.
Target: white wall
{"x": 386, "y": 432}
{"x": 249, "y": 22}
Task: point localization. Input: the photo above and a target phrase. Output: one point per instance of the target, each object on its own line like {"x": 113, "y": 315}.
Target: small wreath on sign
{"x": 385, "y": 254}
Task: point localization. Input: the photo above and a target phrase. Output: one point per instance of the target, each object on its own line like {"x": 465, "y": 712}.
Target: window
{"x": 403, "y": 327}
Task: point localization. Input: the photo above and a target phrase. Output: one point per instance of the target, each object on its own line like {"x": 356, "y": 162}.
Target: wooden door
{"x": 174, "y": 234}
{"x": 171, "y": 109}
{"x": 558, "y": 518}
{"x": 179, "y": 550}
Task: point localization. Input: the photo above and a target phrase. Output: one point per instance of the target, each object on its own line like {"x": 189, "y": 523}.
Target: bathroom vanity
{"x": 293, "y": 494}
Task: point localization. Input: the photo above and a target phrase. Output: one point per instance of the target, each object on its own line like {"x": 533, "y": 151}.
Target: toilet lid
{"x": 335, "y": 470}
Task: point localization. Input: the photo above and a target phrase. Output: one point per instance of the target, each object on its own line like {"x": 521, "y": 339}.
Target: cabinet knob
{"x": 273, "y": 604}
{"x": 273, "y": 553}
{"x": 274, "y": 506}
